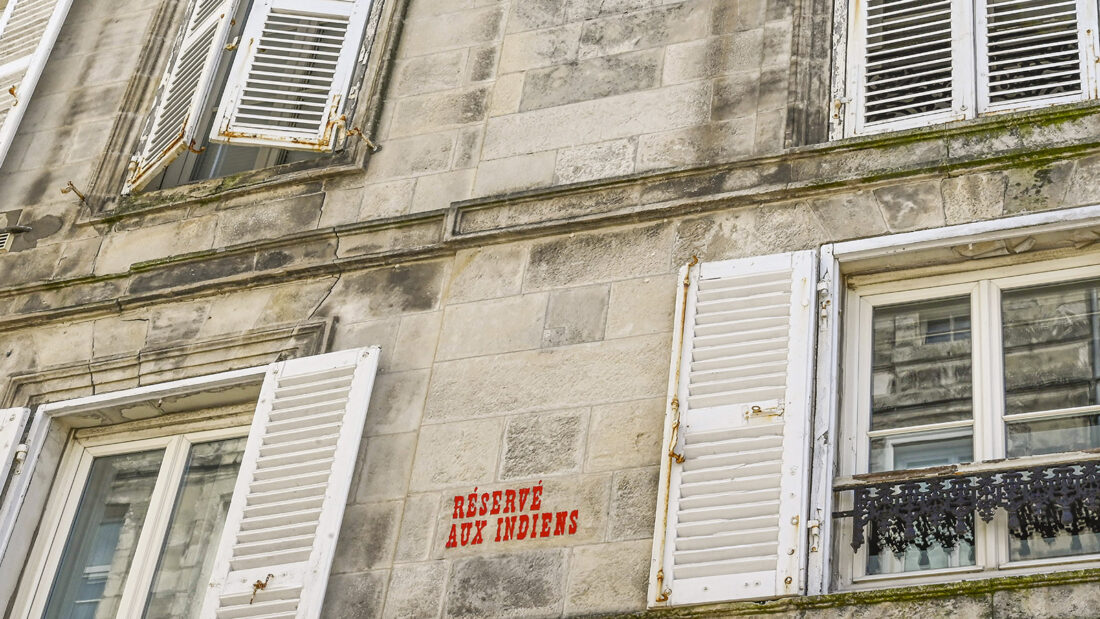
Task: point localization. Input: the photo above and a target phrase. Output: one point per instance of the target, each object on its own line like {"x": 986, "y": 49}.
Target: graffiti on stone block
{"x": 507, "y": 515}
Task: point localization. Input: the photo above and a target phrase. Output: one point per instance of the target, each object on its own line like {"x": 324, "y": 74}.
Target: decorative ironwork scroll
{"x": 1040, "y": 502}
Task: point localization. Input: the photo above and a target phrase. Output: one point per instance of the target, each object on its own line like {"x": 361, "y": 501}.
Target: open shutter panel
{"x": 286, "y": 510}
{"x": 28, "y": 30}
{"x": 288, "y": 86}
{"x": 910, "y": 62}
{"x": 734, "y": 529}
{"x": 12, "y": 422}
{"x": 178, "y": 109}
{"x": 1031, "y": 52}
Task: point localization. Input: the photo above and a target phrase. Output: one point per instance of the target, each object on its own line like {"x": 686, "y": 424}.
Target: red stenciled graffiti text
{"x": 506, "y": 515}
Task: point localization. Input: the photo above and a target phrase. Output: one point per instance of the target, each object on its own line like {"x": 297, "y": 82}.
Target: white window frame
{"x": 834, "y": 449}
{"x": 969, "y": 68}
{"x": 65, "y": 500}
{"x": 32, "y": 490}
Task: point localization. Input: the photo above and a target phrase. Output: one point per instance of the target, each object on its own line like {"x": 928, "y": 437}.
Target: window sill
{"x": 140, "y": 204}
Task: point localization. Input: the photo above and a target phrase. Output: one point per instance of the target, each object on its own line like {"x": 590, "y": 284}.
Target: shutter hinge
{"x": 19, "y": 459}
{"x": 234, "y": 44}
{"x": 814, "y": 529}
{"x": 838, "y": 105}
{"x": 662, "y": 591}
{"x": 824, "y": 299}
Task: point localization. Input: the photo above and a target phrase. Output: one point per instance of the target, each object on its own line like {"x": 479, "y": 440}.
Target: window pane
{"x": 1050, "y": 347}
{"x": 193, "y": 532}
{"x": 921, "y": 364}
{"x": 885, "y": 561}
{"x": 104, "y": 536}
{"x": 1047, "y": 436}
{"x": 918, "y": 450}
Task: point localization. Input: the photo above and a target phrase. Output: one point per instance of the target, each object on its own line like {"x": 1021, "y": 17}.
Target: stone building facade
{"x": 507, "y": 222}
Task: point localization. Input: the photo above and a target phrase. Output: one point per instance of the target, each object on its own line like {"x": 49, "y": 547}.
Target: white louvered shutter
{"x": 1034, "y": 52}
{"x": 288, "y": 86}
{"x": 735, "y": 525}
{"x": 184, "y": 88}
{"x": 28, "y": 30}
{"x": 286, "y": 510}
{"x": 12, "y": 422}
{"x": 910, "y": 63}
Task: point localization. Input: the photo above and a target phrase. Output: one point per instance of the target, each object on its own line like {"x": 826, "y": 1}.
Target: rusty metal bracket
{"x": 662, "y": 595}
{"x": 679, "y": 458}
{"x": 342, "y": 123}
{"x": 258, "y": 586}
{"x": 71, "y": 188}
{"x": 771, "y": 411}
{"x": 191, "y": 148}
{"x": 11, "y": 91}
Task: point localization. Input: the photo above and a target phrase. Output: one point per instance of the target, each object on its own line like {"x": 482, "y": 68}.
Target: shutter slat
{"x": 282, "y": 521}
{"x": 1033, "y": 51}
{"x": 290, "y": 87}
{"x": 28, "y": 31}
{"x": 728, "y": 531}
{"x": 12, "y": 423}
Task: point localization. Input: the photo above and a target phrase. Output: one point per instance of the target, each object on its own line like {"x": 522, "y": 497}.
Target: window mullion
{"x": 132, "y": 604}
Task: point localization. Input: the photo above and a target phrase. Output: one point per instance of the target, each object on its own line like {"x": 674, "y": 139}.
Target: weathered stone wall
{"x": 545, "y": 168}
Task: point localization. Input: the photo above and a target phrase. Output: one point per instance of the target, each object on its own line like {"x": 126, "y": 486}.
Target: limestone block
{"x": 625, "y": 435}
{"x": 492, "y": 326}
{"x": 438, "y": 191}
{"x": 912, "y": 206}
{"x": 175, "y": 323}
{"x": 77, "y": 258}
{"x": 381, "y": 200}
{"x": 773, "y": 87}
{"x": 37, "y": 264}
{"x": 487, "y": 272}
{"x": 658, "y": 27}
{"x": 771, "y": 127}
{"x": 430, "y": 73}
{"x": 537, "y": 445}
{"x": 452, "y": 454}
{"x": 1037, "y": 189}
{"x": 121, "y": 249}
{"x": 368, "y": 535}
{"x": 459, "y": 29}
{"x": 382, "y": 333}
{"x": 341, "y": 206}
{"x": 701, "y": 144}
{"x": 539, "y": 48}
{"x": 849, "y": 216}
{"x": 507, "y": 93}
{"x": 413, "y": 156}
{"x": 385, "y": 292}
{"x": 535, "y": 14}
{"x": 429, "y": 9}
{"x": 575, "y": 316}
{"x": 777, "y": 38}
{"x": 710, "y": 57}
{"x": 115, "y": 336}
{"x": 414, "y": 543}
{"x": 397, "y": 402}
{"x": 739, "y": 15}
{"x": 521, "y": 584}
{"x": 514, "y": 173}
{"x": 416, "y": 341}
{"x": 437, "y": 111}
{"x": 608, "y": 578}
{"x": 735, "y": 95}
{"x": 595, "y": 161}
{"x": 641, "y": 306}
{"x": 67, "y": 343}
{"x": 416, "y": 590}
{"x": 633, "y": 503}
{"x": 1086, "y": 178}
{"x": 591, "y": 79}
{"x": 268, "y": 220}
{"x": 468, "y": 147}
{"x": 1064, "y": 602}
{"x": 358, "y": 596}
{"x": 971, "y": 607}
{"x": 549, "y": 379}
{"x": 601, "y": 120}
{"x": 482, "y": 65}
{"x": 386, "y": 465}
{"x": 586, "y": 259}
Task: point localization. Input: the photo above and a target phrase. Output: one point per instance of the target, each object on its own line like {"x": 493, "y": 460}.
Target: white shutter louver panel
{"x": 288, "y": 86}
{"x": 736, "y": 502}
{"x": 12, "y": 422}
{"x": 28, "y": 31}
{"x": 1032, "y": 53}
{"x": 177, "y": 111}
{"x": 286, "y": 509}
